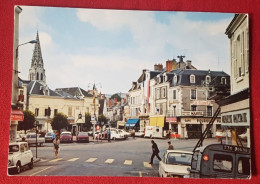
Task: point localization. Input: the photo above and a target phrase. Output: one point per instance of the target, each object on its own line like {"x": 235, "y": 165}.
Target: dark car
{"x": 82, "y": 137}
{"x": 66, "y": 137}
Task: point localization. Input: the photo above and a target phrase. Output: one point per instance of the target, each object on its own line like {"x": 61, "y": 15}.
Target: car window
{"x": 222, "y": 163}
{"x": 49, "y": 134}
{"x": 22, "y": 147}
{"x": 244, "y": 166}
{"x": 83, "y": 133}
{"x": 195, "y": 160}
{"x": 66, "y": 134}
{"x": 13, "y": 148}
{"x": 26, "y": 148}
{"x": 179, "y": 158}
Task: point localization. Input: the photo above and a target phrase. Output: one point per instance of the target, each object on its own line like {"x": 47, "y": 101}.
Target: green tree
{"x": 28, "y": 121}
{"x": 87, "y": 123}
{"x": 59, "y": 121}
{"x": 116, "y": 96}
{"x": 102, "y": 118}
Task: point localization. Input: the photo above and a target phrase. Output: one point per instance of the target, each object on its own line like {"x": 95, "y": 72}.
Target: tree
{"x": 116, "y": 96}
{"x": 102, "y": 118}
{"x": 87, "y": 123}
{"x": 59, "y": 121}
{"x": 28, "y": 121}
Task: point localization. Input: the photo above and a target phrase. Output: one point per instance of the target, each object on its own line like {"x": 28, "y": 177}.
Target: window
{"x": 37, "y": 112}
{"x": 222, "y": 163}
{"x": 243, "y": 166}
{"x": 163, "y": 92}
{"x": 175, "y": 79}
{"x": 157, "y": 93}
{"x": 37, "y": 76}
{"x": 70, "y": 111}
{"x": 209, "y": 111}
{"x": 46, "y": 112}
{"x": 55, "y": 112}
{"x": 193, "y": 94}
{"x": 174, "y": 94}
{"x": 208, "y": 79}
{"x": 41, "y": 76}
{"x": 192, "y": 79}
{"x": 193, "y": 108}
{"x": 223, "y": 80}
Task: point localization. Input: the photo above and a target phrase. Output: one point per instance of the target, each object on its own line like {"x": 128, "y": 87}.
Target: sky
{"x": 111, "y": 47}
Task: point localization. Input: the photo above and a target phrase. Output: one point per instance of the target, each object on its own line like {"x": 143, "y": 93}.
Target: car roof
{"x": 17, "y": 143}
{"x": 179, "y": 151}
{"x": 65, "y": 132}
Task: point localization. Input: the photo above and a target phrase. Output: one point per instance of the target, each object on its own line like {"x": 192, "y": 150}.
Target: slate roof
{"x": 35, "y": 88}
{"x": 76, "y": 92}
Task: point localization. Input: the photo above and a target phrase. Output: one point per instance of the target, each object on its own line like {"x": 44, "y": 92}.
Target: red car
{"x": 66, "y": 137}
{"x": 82, "y": 137}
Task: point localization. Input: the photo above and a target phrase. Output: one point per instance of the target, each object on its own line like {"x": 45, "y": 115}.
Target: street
{"x": 129, "y": 157}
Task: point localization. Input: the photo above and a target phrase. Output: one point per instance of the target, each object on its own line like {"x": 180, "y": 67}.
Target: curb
{"x": 36, "y": 160}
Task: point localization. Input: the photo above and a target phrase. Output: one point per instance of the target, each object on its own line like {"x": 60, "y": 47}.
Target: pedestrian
{"x": 170, "y": 146}
{"x": 133, "y": 133}
{"x": 56, "y": 146}
{"x": 169, "y": 134}
{"x": 108, "y": 135}
{"x": 53, "y": 136}
{"x": 155, "y": 152}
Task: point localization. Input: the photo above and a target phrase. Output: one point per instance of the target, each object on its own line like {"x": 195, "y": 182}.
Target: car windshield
{"x": 179, "y": 158}
{"x": 31, "y": 136}
{"x": 49, "y": 134}
{"x": 83, "y": 133}
{"x": 13, "y": 148}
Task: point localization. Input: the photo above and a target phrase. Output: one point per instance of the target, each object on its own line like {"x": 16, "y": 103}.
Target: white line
{"x": 91, "y": 159}
{"x": 109, "y": 161}
{"x": 73, "y": 159}
{"x": 128, "y": 162}
{"x": 56, "y": 160}
{"x": 41, "y": 171}
{"x": 146, "y": 164}
{"x": 140, "y": 174}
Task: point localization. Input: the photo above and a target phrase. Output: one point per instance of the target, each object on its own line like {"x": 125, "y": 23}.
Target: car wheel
{"x": 31, "y": 164}
{"x": 18, "y": 168}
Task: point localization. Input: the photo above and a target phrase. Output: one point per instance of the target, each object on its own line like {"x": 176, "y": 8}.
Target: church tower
{"x": 37, "y": 71}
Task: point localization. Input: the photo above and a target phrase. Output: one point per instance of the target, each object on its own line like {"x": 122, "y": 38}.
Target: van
{"x": 221, "y": 161}
{"x": 153, "y": 132}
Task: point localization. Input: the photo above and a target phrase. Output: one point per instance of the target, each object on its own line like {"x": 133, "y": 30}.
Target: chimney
{"x": 160, "y": 67}
{"x": 156, "y": 67}
{"x": 188, "y": 64}
{"x": 169, "y": 65}
{"x": 109, "y": 102}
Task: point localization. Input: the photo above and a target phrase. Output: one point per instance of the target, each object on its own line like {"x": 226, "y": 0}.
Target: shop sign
{"x": 171, "y": 120}
{"x": 17, "y": 115}
{"x": 201, "y": 102}
{"x": 198, "y": 120}
{"x": 236, "y": 118}
{"x": 192, "y": 113}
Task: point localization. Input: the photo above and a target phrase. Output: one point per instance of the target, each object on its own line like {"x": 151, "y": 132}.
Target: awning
{"x": 131, "y": 122}
{"x": 157, "y": 121}
{"x": 17, "y": 115}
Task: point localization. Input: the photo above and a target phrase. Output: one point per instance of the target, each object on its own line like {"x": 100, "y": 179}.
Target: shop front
{"x": 144, "y": 121}
{"x": 16, "y": 115}
{"x": 132, "y": 124}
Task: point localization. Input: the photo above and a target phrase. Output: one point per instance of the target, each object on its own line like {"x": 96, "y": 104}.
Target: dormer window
{"x": 223, "y": 80}
{"x": 192, "y": 79}
{"x": 159, "y": 78}
{"x": 208, "y": 79}
{"x": 165, "y": 78}
{"x": 175, "y": 79}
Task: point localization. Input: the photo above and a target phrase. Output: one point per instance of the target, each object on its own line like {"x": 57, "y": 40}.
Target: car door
{"x": 27, "y": 153}
{"x": 22, "y": 155}
{"x": 162, "y": 165}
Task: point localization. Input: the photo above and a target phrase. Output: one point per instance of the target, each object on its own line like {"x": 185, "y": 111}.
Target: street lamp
{"x": 31, "y": 42}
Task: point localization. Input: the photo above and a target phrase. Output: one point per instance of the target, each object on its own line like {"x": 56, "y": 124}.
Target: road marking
{"x": 146, "y": 164}
{"x": 128, "y": 162}
{"x": 140, "y": 174}
{"x": 73, "y": 159}
{"x": 41, "y": 171}
{"x": 91, "y": 159}
{"x": 56, "y": 160}
{"x": 109, "y": 161}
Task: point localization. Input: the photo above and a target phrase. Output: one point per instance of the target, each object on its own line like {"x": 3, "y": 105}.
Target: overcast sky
{"x": 112, "y": 47}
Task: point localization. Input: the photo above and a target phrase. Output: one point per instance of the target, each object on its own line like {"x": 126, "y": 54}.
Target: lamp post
{"x": 31, "y": 42}
{"x": 94, "y": 118}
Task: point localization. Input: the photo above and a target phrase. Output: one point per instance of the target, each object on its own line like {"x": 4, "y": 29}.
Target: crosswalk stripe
{"x": 146, "y": 164}
{"x": 56, "y": 160}
{"x": 109, "y": 161}
{"x": 128, "y": 162}
{"x": 91, "y": 159}
{"x": 73, "y": 159}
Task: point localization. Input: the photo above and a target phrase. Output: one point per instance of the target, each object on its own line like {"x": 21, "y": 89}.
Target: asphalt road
{"x": 118, "y": 158}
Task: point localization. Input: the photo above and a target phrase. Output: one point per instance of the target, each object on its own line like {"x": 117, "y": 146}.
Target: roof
{"x": 36, "y": 88}
{"x": 76, "y": 92}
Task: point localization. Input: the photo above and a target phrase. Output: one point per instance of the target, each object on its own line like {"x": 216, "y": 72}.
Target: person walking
{"x": 155, "y": 152}
{"x": 108, "y": 135}
{"x": 56, "y": 146}
{"x": 53, "y": 136}
{"x": 170, "y": 146}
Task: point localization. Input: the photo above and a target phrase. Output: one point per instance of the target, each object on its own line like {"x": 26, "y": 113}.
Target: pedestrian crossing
{"x": 107, "y": 161}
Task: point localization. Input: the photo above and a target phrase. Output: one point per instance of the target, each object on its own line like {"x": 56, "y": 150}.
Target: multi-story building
{"x": 235, "y": 109}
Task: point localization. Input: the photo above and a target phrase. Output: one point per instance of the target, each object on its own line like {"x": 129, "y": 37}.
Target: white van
{"x": 153, "y": 132}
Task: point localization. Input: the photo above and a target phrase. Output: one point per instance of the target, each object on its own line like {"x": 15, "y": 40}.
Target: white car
{"x": 124, "y": 133}
{"x": 140, "y": 133}
{"x": 116, "y": 135}
{"x": 19, "y": 155}
{"x": 175, "y": 164}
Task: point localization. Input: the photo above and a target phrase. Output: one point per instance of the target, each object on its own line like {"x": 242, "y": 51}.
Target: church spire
{"x": 37, "y": 71}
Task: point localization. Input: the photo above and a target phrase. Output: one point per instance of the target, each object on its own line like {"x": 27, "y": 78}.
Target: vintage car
{"x": 124, "y": 133}
{"x": 82, "y": 137}
{"x": 140, "y": 133}
{"x": 116, "y": 135}
{"x": 66, "y": 137}
{"x": 175, "y": 164}
{"x": 31, "y": 139}
{"x": 48, "y": 137}
{"x": 19, "y": 155}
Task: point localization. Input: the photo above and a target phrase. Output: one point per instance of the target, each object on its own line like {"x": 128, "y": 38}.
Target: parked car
{"x": 175, "y": 164}
{"x": 66, "y": 137}
{"x": 140, "y": 133}
{"x": 48, "y": 137}
{"x": 31, "y": 139}
{"x": 19, "y": 155}
{"x": 124, "y": 133}
{"x": 116, "y": 135}
{"x": 18, "y": 138}
{"x": 82, "y": 137}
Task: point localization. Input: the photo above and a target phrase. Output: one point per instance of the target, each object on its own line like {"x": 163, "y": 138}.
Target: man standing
{"x": 53, "y": 135}
{"x": 170, "y": 146}
{"x": 108, "y": 135}
{"x": 155, "y": 152}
